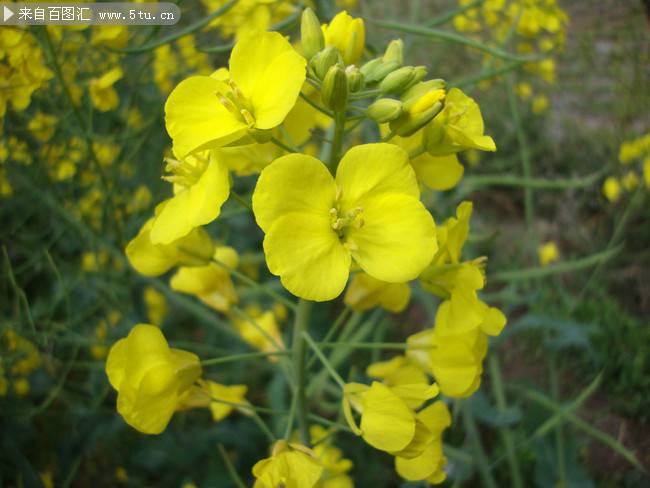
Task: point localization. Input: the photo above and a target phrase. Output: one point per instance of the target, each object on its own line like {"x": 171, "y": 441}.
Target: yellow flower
{"x": 366, "y": 292}
{"x": 229, "y": 394}
{"x": 28, "y": 359}
{"x": 335, "y": 466}
{"x": 303, "y": 118}
{"x": 459, "y": 126}
{"x": 149, "y": 259}
{"x": 149, "y": 377}
{"x": 265, "y": 78}
{"x": 430, "y": 461}
{"x": 421, "y": 103}
{"x": 261, "y": 331}
{"x": 290, "y": 465}
{"x": 612, "y": 189}
{"x": 397, "y": 371}
{"x": 646, "y": 171}
{"x": 540, "y": 104}
{"x": 547, "y": 253}
{"x": 346, "y": 34}
{"x": 21, "y": 387}
{"x": 437, "y": 172}
{"x": 42, "y": 126}
{"x": 114, "y": 36}
{"x": 524, "y": 90}
{"x": 156, "y": 305}
{"x": 102, "y": 94}
{"x": 201, "y": 186}
{"x": 630, "y": 181}
{"x": 249, "y": 159}
{"x": 315, "y": 224}
{"x": 454, "y": 361}
{"x": 210, "y": 283}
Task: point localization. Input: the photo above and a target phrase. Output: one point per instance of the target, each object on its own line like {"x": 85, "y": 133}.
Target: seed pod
{"x": 335, "y": 89}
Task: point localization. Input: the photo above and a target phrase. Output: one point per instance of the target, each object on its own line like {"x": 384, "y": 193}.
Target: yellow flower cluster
{"x": 22, "y": 358}
{"x": 631, "y": 152}
{"x": 533, "y": 26}
{"x": 172, "y": 60}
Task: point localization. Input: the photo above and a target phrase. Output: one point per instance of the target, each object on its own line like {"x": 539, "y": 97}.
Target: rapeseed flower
{"x": 365, "y": 292}
{"x": 103, "y": 95}
{"x": 261, "y": 87}
{"x": 347, "y": 35}
{"x": 547, "y": 253}
{"x": 290, "y": 465}
{"x": 316, "y": 224}
{"x": 150, "y": 377}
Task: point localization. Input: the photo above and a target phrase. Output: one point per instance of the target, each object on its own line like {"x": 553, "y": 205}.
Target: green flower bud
{"x": 335, "y": 89}
{"x": 408, "y": 124}
{"x": 380, "y": 71}
{"x": 418, "y": 76}
{"x": 395, "y": 52}
{"x": 311, "y": 34}
{"x": 355, "y": 78}
{"x": 370, "y": 66}
{"x": 385, "y": 110}
{"x": 324, "y": 60}
{"x": 399, "y": 80}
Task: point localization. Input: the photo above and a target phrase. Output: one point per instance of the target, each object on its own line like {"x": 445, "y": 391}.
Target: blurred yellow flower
{"x": 317, "y": 224}
{"x": 290, "y": 465}
{"x": 103, "y": 95}
{"x": 149, "y": 377}
{"x": 548, "y": 253}
{"x": 365, "y": 292}
{"x": 155, "y": 304}
{"x": 611, "y": 189}
{"x": 260, "y": 330}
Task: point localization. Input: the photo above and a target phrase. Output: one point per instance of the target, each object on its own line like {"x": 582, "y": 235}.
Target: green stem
{"x": 529, "y": 208}
{"x": 284, "y": 146}
{"x": 242, "y": 357}
{"x": 340, "y": 320}
{"x": 475, "y": 181}
{"x": 300, "y": 326}
{"x": 337, "y": 143}
{"x": 475, "y": 440}
{"x": 231, "y": 469}
{"x": 506, "y": 433}
{"x": 241, "y": 200}
{"x": 330, "y": 369}
{"x": 447, "y": 16}
{"x": 318, "y": 107}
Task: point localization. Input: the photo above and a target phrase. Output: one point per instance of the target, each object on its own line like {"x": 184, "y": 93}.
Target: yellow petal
{"x": 438, "y": 173}
{"x": 196, "y": 119}
{"x": 295, "y": 183}
{"x": 372, "y": 170}
{"x": 306, "y": 254}
{"x": 387, "y": 423}
{"x": 397, "y": 240}
{"x": 192, "y": 207}
{"x": 422, "y": 466}
{"x": 270, "y": 73}
{"x": 366, "y": 292}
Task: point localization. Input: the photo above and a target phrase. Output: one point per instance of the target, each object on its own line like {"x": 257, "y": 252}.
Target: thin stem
{"x": 337, "y": 143}
{"x": 479, "y": 452}
{"x": 332, "y": 330}
{"x": 241, "y": 200}
{"x": 300, "y": 326}
{"x": 447, "y": 16}
{"x": 506, "y": 433}
{"x": 232, "y": 472}
{"x": 318, "y": 107}
{"x": 242, "y": 357}
{"x": 529, "y": 208}
{"x": 475, "y": 181}
{"x": 369, "y": 345}
{"x": 284, "y": 146}
{"x": 330, "y": 369}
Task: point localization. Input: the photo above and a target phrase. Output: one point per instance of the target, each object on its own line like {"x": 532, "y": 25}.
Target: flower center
{"x": 187, "y": 172}
{"x": 237, "y": 104}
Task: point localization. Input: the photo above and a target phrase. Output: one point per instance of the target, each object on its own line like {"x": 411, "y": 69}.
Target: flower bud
{"x": 355, "y": 78}
{"x": 394, "y": 52}
{"x": 312, "y": 40}
{"x": 384, "y": 110}
{"x": 335, "y": 89}
{"x": 378, "y": 71}
{"x": 415, "y": 122}
{"x": 348, "y": 35}
{"x": 324, "y": 60}
{"x": 402, "y": 78}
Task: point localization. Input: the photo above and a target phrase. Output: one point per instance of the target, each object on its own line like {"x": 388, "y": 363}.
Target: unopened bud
{"x": 335, "y": 89}
{"x": 379, "y": 71}
{"x": 408, "y": 125}
{"x": 355, "y": 78}
{"x": 311, "y": 34}
{"x": 324, "y": 60}
{"x": 384, "y": 110}
{"x": 395, "y": 51}
{"x": 418, "y": 76}
{"x": 398, "y": 80}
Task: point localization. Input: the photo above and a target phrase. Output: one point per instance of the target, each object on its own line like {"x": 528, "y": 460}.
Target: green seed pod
{"x": 324, "y": 60}
{"x": 355, "y": 78}
{"x": 335, "y": 89}
{"x": 385, "y": 110}
{"x": 311, "y": 34}
{"x": 395, "y": 52}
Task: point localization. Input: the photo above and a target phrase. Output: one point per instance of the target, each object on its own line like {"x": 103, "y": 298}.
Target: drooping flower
{"x": 335, "y": 465}
{"x": 211, "y": 283}
{"x": 265, "y": 78}
{"x": 365, "y": 292}
{"x": 150, "y": 377}
{"x": 149, "y": 259}
{"x": 290, "y": 465}
{"x": 346, "y": 34}
{"x": 458, "y": 127}
{"x": 260, "y": 330}
{"x": 315, "y": 224}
